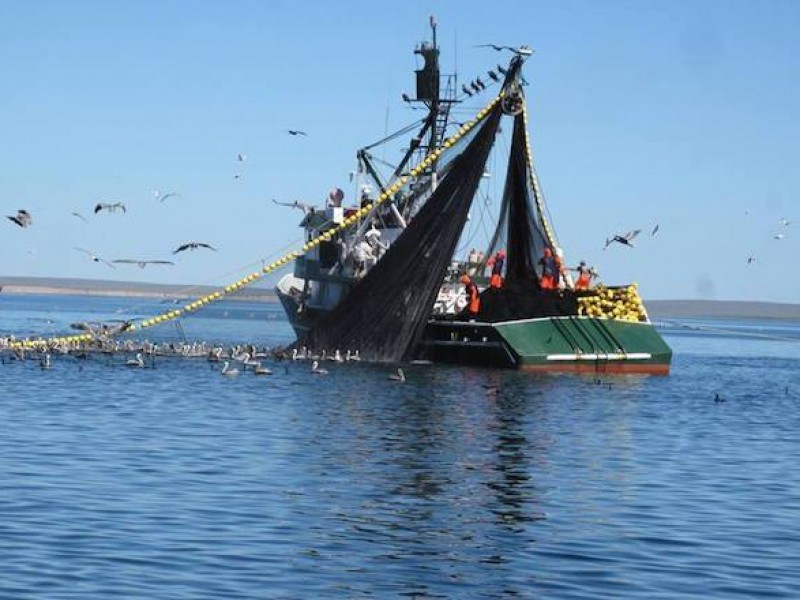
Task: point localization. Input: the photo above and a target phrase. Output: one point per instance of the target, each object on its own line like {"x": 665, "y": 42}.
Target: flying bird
{"x": 163, "y": 196}
{"x": 79, "y": 215}
{"x": 22, "y": 218}
{"x": 193, "y": 246}
{"x": 306, "y": 208}
{"x": 109, "y": 206}
{"x": 655, "y": 230}
{"x": 296, "y": 132}
{"x": 141, "y": 263}
{"x": 626, "y": 239}
{"x": 523, "y": 50}
{"x": 778, "y": 236}
{"x": 785, "y": 222}
{"x": 92, "y": 256}
{"x": 241, "y": 157}
{"x": 751, "y": 259}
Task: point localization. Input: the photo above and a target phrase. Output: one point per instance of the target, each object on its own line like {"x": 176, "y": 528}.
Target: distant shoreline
{"x": 657, "y": 309}
{"x": 121, "y": 289}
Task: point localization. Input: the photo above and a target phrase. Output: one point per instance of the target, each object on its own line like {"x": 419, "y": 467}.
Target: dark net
{"x": 521, "y": 233}
{"x": 386, "y": 313}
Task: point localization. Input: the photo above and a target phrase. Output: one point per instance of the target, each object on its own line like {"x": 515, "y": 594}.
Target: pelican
{"x": 137, "y": 363}
{"x": 625, "y": 239}
{"x": 92, "y": 256}
{"x": 193, "y": 246}
{"x": 22, "y": 218}
{"x": 163, "y": 196}
{"x": 109, "y": 206}
{"x": 523, "y": 50}
{"x": 141, "y": 263}
{"x": 228, "y": 372}
{"x": 260, "y": 370}
{"x": 399, "y": 376}
{"x": 316, "y": 370}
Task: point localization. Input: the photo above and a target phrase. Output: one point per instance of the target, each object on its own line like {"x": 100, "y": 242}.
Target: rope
{"x": 251, "y": 278}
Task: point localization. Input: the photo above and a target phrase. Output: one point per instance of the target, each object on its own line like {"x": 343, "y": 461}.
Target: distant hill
{"x": 659, "y": 309}
{"x": 95, "y": 287}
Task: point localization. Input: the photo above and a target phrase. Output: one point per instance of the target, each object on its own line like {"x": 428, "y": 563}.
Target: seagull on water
{"x": 141, "y": 263}
{"x": 109, "y": 206}
{"x": 193, "y": 246}
{"x": 227, "y": 371}
{"x": 94, "y": 257}
{"x": 22, "y": 218}
{"x": 399, "y": 376}
{"x": 316, "y": 370}
{"x": 625, "y": 239}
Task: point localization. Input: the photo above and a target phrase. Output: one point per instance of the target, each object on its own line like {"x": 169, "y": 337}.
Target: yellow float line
{"x": 286, "y": 259}
{"x": 537, "y": 192}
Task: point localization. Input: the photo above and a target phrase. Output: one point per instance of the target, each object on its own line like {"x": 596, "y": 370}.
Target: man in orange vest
{"x": 550, "y": 270}
{"x": 473, "y": 299}
{"x": 496, "y": 262}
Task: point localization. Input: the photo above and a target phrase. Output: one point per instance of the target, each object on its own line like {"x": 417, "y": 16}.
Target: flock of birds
{"x": 235, "y": 359}
{"x": 626, "y": 239}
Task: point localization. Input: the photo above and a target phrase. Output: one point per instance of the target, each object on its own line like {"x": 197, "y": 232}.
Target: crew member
{"x": 473, "y": 298}
{"x": 550, "y": 270}
{"x": 585, "y": 275}
{"x": 496, "y": 262}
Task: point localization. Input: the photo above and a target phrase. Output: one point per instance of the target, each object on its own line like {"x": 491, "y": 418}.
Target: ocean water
{"x": 176, "y": 482}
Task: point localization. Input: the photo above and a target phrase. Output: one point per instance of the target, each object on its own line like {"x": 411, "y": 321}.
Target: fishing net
{"x": 385, "y": 315}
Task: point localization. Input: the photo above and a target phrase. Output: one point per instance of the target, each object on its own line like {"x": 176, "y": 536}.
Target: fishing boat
{"x": 384, "y": 274}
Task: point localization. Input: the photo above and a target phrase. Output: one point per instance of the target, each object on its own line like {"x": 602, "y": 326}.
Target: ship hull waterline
{"x": 551, "y": 344}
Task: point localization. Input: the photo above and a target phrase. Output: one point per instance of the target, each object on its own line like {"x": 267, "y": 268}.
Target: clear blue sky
{"x": 682, "y": 113}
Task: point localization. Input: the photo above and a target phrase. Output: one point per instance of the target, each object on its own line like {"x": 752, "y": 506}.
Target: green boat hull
{"x": 578, "y": 344}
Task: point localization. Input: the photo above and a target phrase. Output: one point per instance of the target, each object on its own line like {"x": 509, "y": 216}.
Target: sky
{"x": 642, "y": 112}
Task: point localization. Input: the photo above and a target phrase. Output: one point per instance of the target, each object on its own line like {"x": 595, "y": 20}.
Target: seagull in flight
{"x": 163, "y": 196}
{"x": 785, "y": 222}
{"x": 306, "y": 208}
{"x": 79, "y": 215}
{"x": 523, "y": 50}
{"x": 626, "y": 239}
{"x": 778, "y": 236}
{"x": 109, "y": 206}
{"x": 751, "y": 259}
{"x": 141, "y": 263}
{"x": 296, "y": 132}
{"x": 193, "y": 246}
{"x": 655, "y": 230}
{"x": 94, "y": 257}
{"x": 22, "y": 218}
{"x": 241, "y": 157}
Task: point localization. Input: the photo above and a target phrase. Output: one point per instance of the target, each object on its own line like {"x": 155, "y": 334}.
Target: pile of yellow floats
{"x": 622, "y": 303}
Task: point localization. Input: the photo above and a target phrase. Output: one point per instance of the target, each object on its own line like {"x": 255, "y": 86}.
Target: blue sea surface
{"x": 177, "y": 482}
